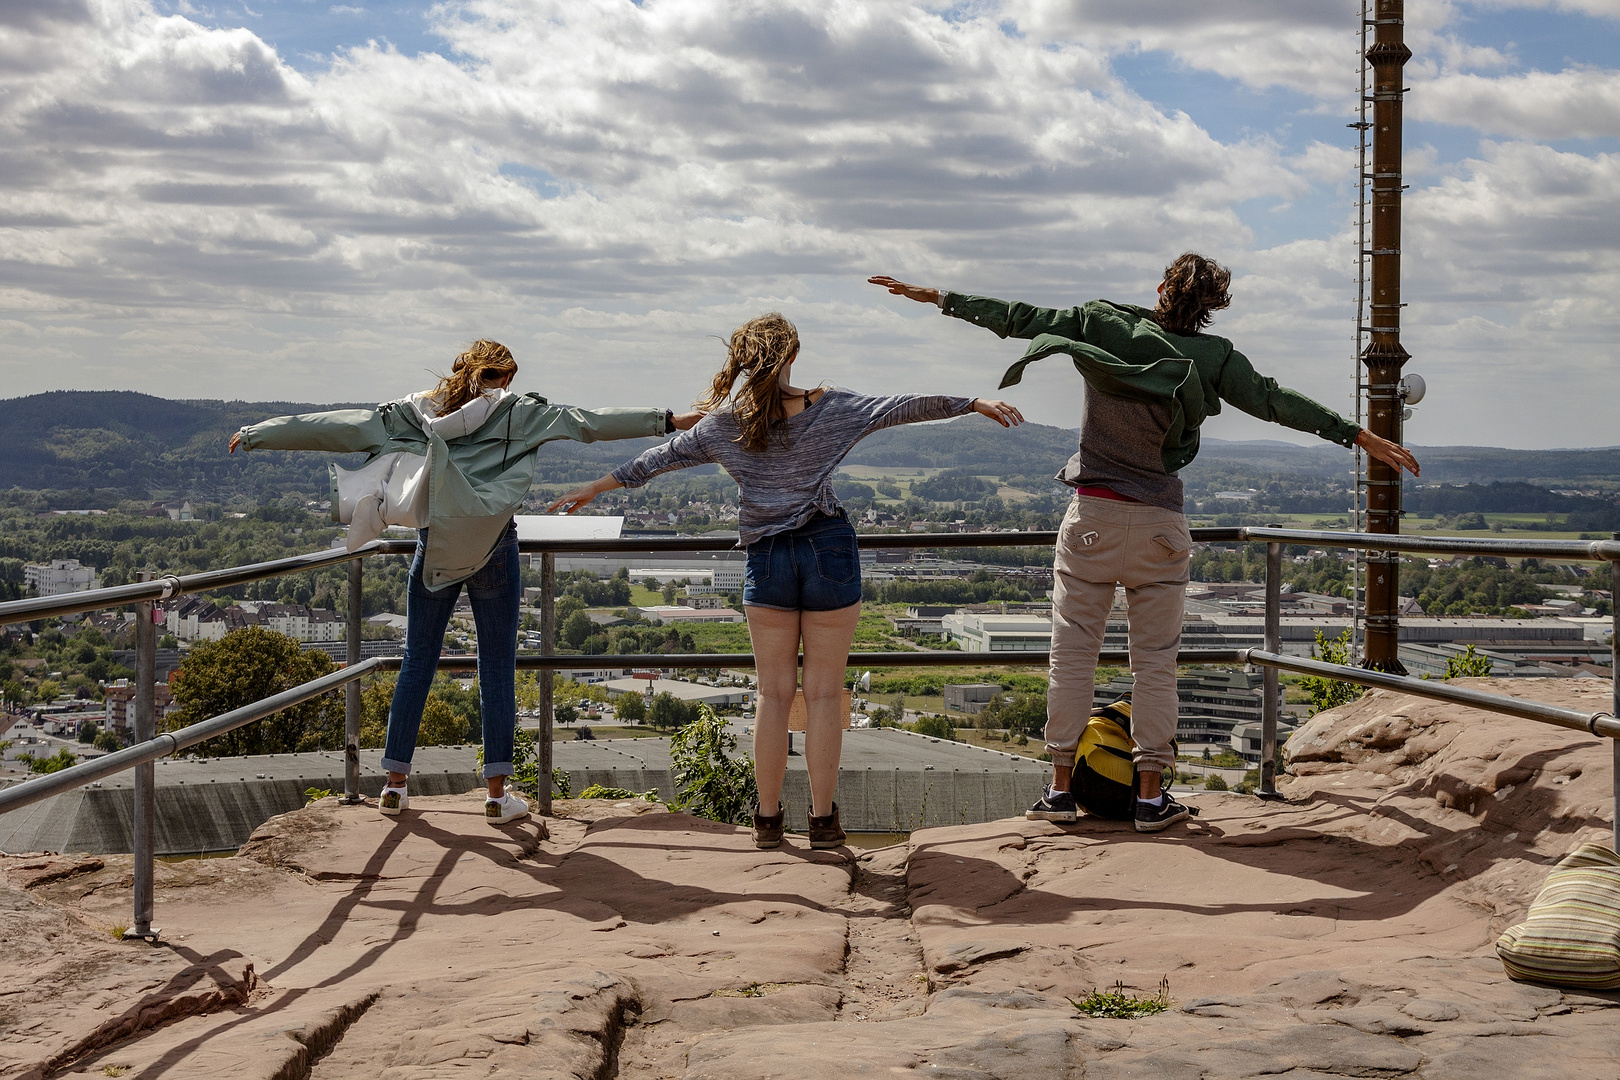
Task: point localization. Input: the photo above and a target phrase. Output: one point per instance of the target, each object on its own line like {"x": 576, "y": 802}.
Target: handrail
{"x": 170, "y": 742}
{"x": 31, "y": 791}
{"x": 166, "y": 588}
{"x": 1271, "y": 658}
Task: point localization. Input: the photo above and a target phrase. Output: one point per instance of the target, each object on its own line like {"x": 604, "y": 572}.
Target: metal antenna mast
{"x": 1358, "y": 476}
{"x": 1385, "y": 355}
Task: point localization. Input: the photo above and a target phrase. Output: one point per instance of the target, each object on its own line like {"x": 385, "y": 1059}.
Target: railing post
{"x": 1614, "y": 681}
{"x": 351, "y": 693}
{"x": 145, "y": 726}
{"x": 1270, "y": 692}
{"x": 548, "y": 645}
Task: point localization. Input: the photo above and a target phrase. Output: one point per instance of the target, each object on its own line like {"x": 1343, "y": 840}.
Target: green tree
{"x": 564, "y": 714}
{"x": 109, "y": 741}
{"x": 55, "y": 763}
{"x": 631, "y": 708}
{"x": 250, "y": 665}
{"x": 442, "y": 723}
{"x": 709, "y": 781}
{"x": 49, "y": 690}
{"x": 565, "y": 606}
{"x": 936, "y": 726}
{"x": 1330, "y": 693}
{"x": 88, "y": 731}
{"x": 668, "y": 592}
{"x": 1016, "y": 712}
{"x": 576, "y": 629}
{"x": 669, "y": 711}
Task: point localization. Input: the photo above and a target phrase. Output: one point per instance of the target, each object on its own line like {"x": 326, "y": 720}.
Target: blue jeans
{"x": 495, "y": 592}
{"x": 816, "y": 567}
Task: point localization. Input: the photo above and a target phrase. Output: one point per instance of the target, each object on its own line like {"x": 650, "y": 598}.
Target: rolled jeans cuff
{"x": 391, "y": 765}
{"x": 498, "y": 768}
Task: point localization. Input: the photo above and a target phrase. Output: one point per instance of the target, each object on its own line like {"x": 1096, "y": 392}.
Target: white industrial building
{"x": 982, "y": 632}
{"x": 59, "y": 576}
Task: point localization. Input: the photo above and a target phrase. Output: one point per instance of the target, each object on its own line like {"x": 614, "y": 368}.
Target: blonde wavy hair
{"x": 483, "y": 364}
{"x": 756, "y": 354}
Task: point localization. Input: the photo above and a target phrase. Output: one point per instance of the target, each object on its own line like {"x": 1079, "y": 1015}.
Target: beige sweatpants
{"x": 1102, "y": 543}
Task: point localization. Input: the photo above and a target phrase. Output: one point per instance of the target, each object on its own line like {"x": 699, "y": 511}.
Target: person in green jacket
{"x": 456, "y": 462}
{"x": 1152, "y": 377}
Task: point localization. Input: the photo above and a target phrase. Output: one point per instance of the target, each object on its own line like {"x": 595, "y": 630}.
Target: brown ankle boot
{"x": 768, "y": 830}
{"x": 825, "y": 832}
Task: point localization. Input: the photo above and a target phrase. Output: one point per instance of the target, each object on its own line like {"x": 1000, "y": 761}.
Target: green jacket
{"x": 1120, "y": 350}
{"x": 477, "y": 481}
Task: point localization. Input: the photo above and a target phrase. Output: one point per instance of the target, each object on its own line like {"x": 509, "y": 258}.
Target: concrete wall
{"x": 220, "y": 816}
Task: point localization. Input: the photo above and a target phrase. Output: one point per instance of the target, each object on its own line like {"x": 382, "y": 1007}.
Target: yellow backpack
{"x": 1104, "y": 776}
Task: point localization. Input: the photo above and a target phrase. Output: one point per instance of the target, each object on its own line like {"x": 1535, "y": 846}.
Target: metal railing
{"x": 150, "y": 746}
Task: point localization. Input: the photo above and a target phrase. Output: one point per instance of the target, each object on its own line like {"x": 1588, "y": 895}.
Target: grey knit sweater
{"x": 781, "y": 487}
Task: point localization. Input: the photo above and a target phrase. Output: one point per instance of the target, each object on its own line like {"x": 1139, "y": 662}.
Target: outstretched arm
{"x": 339, "y": 431}
{"x": 1004, "y": 319}
{"x": 895, "y": 409}
{"x": 580, "y": 496}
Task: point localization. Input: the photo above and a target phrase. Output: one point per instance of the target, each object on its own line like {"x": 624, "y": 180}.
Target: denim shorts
{"x": 816, "y": 567}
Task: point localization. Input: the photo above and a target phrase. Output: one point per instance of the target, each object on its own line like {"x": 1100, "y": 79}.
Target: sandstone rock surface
{"x": 1345, "y": 931}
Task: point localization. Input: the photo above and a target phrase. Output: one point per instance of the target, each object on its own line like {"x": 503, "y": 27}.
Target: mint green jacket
{"x": 476, "y": 481}
{"x": 1120, "y": 350}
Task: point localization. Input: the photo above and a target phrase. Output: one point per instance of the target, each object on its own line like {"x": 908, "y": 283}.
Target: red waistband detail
{"x": 1104, "y": 493}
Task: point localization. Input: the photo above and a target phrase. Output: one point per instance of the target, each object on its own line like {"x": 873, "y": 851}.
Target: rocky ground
{"x": 1346, "y": 931}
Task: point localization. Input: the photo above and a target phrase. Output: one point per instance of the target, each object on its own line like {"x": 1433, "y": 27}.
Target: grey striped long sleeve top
{"x": 783, "y": 486}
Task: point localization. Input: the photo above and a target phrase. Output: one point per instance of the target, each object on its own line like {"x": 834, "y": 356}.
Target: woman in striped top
{"x": 803, "y": 580}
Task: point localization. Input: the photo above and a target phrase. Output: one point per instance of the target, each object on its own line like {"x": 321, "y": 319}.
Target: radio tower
{"x": 1384, "y": 355}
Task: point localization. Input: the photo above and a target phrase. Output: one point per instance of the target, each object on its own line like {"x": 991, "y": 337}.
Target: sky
{"x": 300, "y": 200}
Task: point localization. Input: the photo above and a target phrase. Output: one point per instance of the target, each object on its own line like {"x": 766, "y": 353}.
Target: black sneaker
{"x": 1150, "y": 818}
{"x": 1054, "y": 806}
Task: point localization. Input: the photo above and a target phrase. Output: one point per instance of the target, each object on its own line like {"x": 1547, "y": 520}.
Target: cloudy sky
{"x": 301, "y": 200}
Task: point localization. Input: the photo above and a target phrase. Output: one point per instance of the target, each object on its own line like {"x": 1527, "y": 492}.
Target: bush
{"x": 55, "y": 763}
{"x": 935, "y": 726}
{"x": 1330, "y": 693}
{"x": 1470, "y": 665}
{"x": 583, "y": 733}
{"x": 1215, "y": 782}
{"x": 709, "y": 782}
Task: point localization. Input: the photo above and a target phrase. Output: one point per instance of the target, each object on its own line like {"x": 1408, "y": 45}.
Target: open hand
{"x": 579, "y": 497}
{"x": 910, "y": 292}
{"x": 1002, "y": 413}
{"x": 1392, "y": 454}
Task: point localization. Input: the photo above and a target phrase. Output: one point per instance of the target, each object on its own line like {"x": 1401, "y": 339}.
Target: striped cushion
{"x": 1572, "y": 935}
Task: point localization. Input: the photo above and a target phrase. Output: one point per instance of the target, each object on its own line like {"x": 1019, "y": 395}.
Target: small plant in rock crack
{"x": 1116, "y": 1004}
{"x": 315, "y": 794}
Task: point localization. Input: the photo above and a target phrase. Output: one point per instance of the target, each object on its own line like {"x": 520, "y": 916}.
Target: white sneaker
{"x": 508, "y": 807}
{"x": 393, "y": 800}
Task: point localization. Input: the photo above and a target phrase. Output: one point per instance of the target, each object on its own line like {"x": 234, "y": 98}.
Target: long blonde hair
{"x": 758, "y": 351}
{"x": 483, "y": 364}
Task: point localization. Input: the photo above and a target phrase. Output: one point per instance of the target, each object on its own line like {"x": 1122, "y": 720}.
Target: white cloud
{"x": 1579, "y": 102}
{"x": 608, "y": 185}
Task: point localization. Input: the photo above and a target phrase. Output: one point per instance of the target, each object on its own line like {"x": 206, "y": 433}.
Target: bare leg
{"x": 827, "y": 637}
{"x": 775, "y": 635}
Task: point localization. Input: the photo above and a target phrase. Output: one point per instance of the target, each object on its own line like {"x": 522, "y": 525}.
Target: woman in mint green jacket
{"x": 456, "y": 462}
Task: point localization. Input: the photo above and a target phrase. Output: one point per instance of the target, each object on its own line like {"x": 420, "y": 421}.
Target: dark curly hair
{"x": 1194, "y": 289}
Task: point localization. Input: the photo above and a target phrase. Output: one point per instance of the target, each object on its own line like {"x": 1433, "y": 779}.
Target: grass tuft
{"x": 1116, "y": 1004}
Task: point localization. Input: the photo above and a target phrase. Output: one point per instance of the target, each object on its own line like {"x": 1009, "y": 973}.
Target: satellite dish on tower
{"x": 866, "y": 683}
{"x": 1412, "y": 388}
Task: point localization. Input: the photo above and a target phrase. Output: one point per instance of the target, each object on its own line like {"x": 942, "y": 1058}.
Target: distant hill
{"x": 102, "y": 446}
